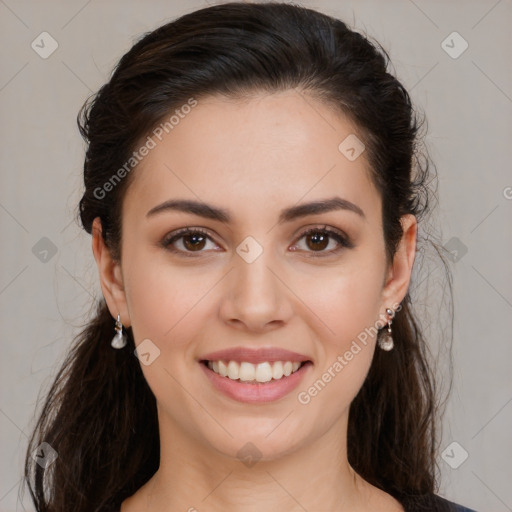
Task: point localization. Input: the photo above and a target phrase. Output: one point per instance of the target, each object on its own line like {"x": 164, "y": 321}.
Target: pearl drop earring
{"x": 119, "y": 340}
{"x": 386, "y": 340}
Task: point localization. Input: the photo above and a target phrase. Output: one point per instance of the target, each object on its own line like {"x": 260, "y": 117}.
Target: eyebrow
{"x": 288, "y": 214}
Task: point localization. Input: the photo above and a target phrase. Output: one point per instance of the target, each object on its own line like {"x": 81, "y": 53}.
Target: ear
{"x": 399, "y": 272}
{"x": 111, "y": 278}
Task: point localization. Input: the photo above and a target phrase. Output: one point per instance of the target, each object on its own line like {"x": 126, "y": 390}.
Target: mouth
{"x": 255, "y": 375}
{"x": 255, "y": 383}
{"x": 250, "y": 373}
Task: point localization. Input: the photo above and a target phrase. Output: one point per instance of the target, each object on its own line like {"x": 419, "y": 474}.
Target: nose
{"x": 255, "y": 296}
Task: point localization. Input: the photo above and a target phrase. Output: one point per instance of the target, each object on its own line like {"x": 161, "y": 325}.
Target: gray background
{"x": 44, "y": 298}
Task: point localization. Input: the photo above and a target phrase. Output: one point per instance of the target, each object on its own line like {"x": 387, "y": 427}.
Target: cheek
{"x": 346, "y": 304}
{"x": 168, "y": 306}
{"x": 345, "y": 348}
{"x": 347, "y": 308}
{"x": 162, "y": 297}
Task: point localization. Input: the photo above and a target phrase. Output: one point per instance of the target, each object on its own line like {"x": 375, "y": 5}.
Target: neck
{"x": 194, "y": 476}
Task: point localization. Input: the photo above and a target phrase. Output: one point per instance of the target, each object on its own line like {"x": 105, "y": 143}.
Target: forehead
{"x": 251, "y": 155}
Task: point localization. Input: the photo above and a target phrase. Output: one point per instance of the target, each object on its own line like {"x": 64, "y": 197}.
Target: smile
{"x": 260, "y": 385}
{"x": 254, "y": 373}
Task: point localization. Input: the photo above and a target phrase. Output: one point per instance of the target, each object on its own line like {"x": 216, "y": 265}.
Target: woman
{"x": 253, "y": 190}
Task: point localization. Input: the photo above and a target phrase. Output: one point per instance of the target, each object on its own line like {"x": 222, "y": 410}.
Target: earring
{"x": 386, "y": 340}
{"x": 119, "y": 340}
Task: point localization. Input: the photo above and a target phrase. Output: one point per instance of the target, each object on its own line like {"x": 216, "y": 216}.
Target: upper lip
{"x": 255, "y": 356}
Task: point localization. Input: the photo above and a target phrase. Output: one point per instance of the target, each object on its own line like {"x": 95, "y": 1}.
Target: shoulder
{"x": 455, "y": 507}
{"x": 431, "y": 503}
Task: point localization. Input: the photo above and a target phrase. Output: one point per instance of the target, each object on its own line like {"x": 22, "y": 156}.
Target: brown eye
{"x": 194, "y": 242}
{"x": 317, "y": 240}
{"x": 187, "y": 241}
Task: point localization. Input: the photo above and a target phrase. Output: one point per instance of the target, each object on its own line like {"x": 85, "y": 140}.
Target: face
{"x": 253, "y": 278}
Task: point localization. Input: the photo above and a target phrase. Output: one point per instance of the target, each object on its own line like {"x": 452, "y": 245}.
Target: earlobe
{"x": 111, "y": 279}
{"x": 399, "y": 275}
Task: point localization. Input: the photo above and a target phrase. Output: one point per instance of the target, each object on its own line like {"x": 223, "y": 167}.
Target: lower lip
{"x": 256, "y": 393}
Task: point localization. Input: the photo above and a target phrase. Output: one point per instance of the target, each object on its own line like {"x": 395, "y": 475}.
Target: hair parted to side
{"x": 100, "y": 415}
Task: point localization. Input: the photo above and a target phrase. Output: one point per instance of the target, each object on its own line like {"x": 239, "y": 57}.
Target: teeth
{"x": 263, "y": 372}
{"x": 233, "y": 370}
{"x": 277, "y": 370}
{"x": 223, "y": 369}
{"x": 248, "y": 372}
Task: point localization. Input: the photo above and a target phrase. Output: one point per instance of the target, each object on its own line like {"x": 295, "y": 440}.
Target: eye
{"x": 191, "y": 240}
{"x": 195, "y": 240}
{"x": 318, "y": 239}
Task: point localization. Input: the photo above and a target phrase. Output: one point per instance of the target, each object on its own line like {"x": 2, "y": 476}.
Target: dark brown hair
{"x": 100, "y": 415}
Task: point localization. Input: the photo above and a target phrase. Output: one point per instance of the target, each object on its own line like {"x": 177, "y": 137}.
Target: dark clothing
{"x": 431, "y": 503}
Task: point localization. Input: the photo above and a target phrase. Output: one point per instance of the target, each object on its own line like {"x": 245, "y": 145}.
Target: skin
{"x": 254, "y": 157}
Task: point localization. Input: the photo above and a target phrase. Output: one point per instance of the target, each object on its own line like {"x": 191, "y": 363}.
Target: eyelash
{"x": 343, "y": 240}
